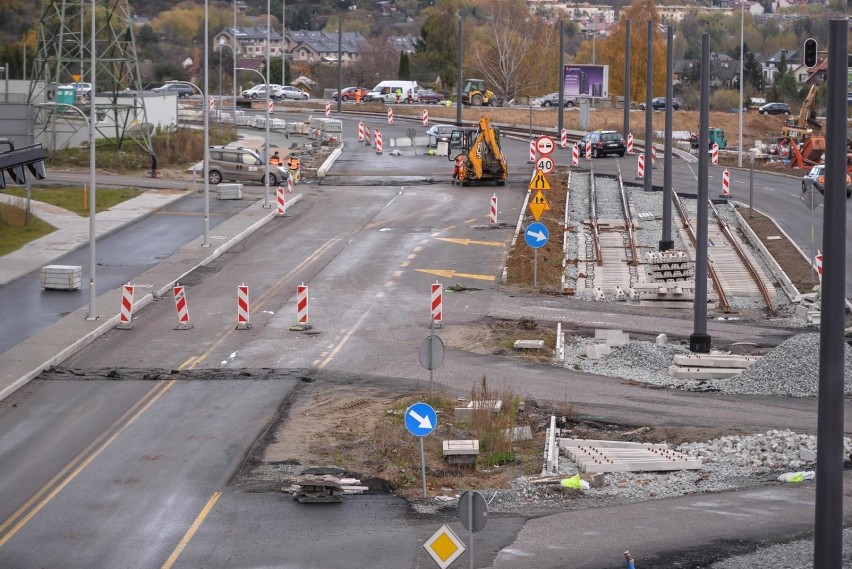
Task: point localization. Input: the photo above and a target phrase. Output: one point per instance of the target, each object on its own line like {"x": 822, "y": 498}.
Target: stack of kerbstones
{"x": 318, "y": 488}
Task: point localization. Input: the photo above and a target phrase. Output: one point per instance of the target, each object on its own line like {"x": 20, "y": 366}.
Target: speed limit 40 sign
{"x": 545, "y": 164}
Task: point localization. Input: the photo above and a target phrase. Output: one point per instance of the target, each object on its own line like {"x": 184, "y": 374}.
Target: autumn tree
{"x": 437, "y": 52}
{"x": 610, "y": 51}
{"x": 513, "y": 51}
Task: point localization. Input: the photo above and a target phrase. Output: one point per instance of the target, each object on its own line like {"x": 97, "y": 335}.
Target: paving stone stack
{"x": 318, "y": 488}
{"x": 670, "y": 266}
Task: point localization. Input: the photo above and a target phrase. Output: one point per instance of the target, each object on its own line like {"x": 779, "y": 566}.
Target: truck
{"x": 477, "y": 94}
{"x": 482, "y": 157}
{"x": 717, "y": 136}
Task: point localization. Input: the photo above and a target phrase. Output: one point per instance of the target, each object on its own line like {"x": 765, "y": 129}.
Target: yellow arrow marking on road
{"x": 459, "y": 241}
{"x": 453, "y": 274}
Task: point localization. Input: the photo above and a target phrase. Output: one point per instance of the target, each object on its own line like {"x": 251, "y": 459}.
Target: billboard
{"x": 581, "y": 80}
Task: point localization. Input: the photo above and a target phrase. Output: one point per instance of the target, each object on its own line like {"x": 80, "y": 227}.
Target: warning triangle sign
{"x": 538, "y": 205}
{"x": 539, "y": 182}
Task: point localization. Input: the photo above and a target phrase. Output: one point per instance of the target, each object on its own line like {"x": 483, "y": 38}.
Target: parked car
{"x": 288, "y": 92}
{"x": 552, "y": 100}
{"x": 439, "y": 133}
{"x": 606, "y": 142}
{"x": 351, "y": 94}
{"x": 774, "y": 109}
{"x": 429, "y": 97}
{"x": 259, "y": 91}
{"x": 238, "y": 164}
{"x": 816, "y": 179}
{"x": 659, "y": 103}
{"x": 181, "y": 89}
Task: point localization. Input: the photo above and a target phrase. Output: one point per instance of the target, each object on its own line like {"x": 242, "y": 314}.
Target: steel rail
{"x": 593, "y": 220}
{"x": 717, "y": 284}
{"x": 752, "y": 270}
{"x": 628, "y": 223}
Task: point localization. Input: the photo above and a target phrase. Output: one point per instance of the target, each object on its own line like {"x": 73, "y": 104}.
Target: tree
{"x": 404, "y": 70}
{"x": 437, "y": 52}
{"x": 753, "y": 71}
{"x": 610, "y": 51}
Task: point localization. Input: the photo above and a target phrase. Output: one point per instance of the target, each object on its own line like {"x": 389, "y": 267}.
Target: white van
{"x": 387, "y": 92}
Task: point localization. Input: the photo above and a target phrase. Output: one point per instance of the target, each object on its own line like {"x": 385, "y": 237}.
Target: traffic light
{"x": 13, "y": 162}
{"x": 810, "y": 52}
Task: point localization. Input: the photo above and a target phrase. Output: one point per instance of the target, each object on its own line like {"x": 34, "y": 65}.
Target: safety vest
{"x": 275, "y": 161}
{"x": 293, "y": 163}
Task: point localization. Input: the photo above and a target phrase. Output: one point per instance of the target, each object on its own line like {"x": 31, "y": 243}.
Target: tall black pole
{"x": 561, "y": 122}
{"x": 699, "y": 341}
{"x": 828, "y": 526}
{"x": 459, "y": 79}
{"x": 666, "y": 242}
{"x": 626, "y": 78}
{"x": 649, "y": 111}
{"x": 339, "y": 63}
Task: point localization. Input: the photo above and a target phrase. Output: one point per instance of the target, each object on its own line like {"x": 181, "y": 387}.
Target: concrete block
{"x": 662, "y": 340}
{"x": 619, "y": 293}
{"x": 605, "y": 333}
{"x": 599, "y": 294}
{"x": 523, "y": 433}
{"x": 620, "y": 339}
{"x": 597, "y": 351}
{"x": 529, "y": 344}
{"x": 807, "y": 455}
{"x": 703, "y": 372}
{"x": 455, "y": 447}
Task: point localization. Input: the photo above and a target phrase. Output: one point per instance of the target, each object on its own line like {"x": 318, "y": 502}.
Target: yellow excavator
{"x": 803, "y": 134}
{"x": 482, "y": 158}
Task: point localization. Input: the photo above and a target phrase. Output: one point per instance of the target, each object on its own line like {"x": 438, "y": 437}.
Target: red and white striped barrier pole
{"x": 726, "y": 183}
{"x": 653, "y": 156}
{"x": 279, "y": 194}
{"x": 640, "y": 171}
{"x": 714, "y": 154}
{"x": 425, "y": 117}
{"x": 563, "y": 138}
{"x": 125, "y": 314}
{"x": 630, "y": 143}
{"x": 818, "y": 265}
{"x": 532, "y": 152}
{"x": 390, "y": 115}
{"x": 437, "y": 304}
{"x": 575, "y": 155}
{"x": 182, "y": 308}
{"x": 212, "y": 103}
{"x": 360, "y": 131}
{"x": 327, "y": 110}
{"x": 289, "y": 184}
{"x": 378, "y": 141}
{"x": 271, "y": 106}
{"x": 243, "y": 307}
{"x": 588, "y": 150}
{"x": 302, "y": 304}
{"x": 367, "y": 136}
{"x": 493, "y": 217}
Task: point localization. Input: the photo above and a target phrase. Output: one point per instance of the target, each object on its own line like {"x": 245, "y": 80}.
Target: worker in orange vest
{"x": 357, "y": 96}
{"x": 294, "y": 166}
{"x": 275, "y": 160}
{"x": 457, "y": 168}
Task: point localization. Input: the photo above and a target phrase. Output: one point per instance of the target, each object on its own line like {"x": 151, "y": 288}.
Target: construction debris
{"x": 594, "y": 456}
{"x": 324, "y": 488}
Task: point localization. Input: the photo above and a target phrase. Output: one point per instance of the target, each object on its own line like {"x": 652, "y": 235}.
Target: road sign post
{"x": 536, "y": 237}
{"x": 420, "y": 420}
{"x": 431, "y": 353}
{"x": 473, "y": 513}
{"x": 444, "y": 547}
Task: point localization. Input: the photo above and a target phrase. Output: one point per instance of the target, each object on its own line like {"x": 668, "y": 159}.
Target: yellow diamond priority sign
{"x": 539, "y": 182}
{"x": 444, "y": 547}
{"x": 538, "y": 205}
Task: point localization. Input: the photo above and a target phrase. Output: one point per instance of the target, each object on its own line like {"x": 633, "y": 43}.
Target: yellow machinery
{"x": 483, "y": 160}
{"x": 476, "y": 94}
{"x": 803, "y": 134}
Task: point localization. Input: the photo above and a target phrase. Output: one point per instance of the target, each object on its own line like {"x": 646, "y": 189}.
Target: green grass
{"x": 71, "y": 198}
{"x": 14, "y": 230}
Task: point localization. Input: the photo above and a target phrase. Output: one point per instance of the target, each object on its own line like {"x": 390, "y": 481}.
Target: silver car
{"x": 439, "y": 133}
{"x": 288, "y": 92}
{"x": 552, "y": 100}
{"x": 238, "y": 164}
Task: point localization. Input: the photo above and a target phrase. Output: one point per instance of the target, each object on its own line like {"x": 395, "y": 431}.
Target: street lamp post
{"x": 266, "y": 151}
{"x": 93, "y": 310}
{"x": 205, "y": 108}
{"x": 740, "y": 110}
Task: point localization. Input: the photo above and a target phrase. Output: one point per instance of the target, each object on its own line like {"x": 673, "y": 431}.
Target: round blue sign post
{"x": 420, "y": 420}
{"x": 536, "y": 237}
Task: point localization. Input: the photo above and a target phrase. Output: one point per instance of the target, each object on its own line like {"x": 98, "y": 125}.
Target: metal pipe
{"x": 626, "y": 78}
{"x": 740, "y": 110}
{"x": 666, "y": 241}
{"x": 828, "y": 516}
{"x": 459, "y": 71}
{"x": 649, "y": 111}
{"x": 561, "y": 75}
{"x": 205, "y": 106}
{"x": 699, "y": 341}
{"x": 266, "y": 203}
{"x": 93, "y": 297}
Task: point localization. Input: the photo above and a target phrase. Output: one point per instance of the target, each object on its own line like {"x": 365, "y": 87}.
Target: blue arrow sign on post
{"x": 420, "y": 419}
{"x": 536, "y": 235}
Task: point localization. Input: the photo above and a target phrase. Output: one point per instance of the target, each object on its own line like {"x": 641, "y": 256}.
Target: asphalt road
{"x": 368, "y": 246}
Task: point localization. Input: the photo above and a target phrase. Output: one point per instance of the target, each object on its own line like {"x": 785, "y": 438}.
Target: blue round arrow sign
{"x": 536, "y": 235}
{"x": 420, "y": 419}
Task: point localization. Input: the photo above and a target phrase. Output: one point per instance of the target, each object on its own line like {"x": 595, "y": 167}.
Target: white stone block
{"x": 597, "y": 351}
{"x": 662, "y": 340}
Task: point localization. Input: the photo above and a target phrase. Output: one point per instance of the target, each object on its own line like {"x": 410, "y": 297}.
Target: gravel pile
{"x": 791, "y": 369}
{"x": 793, "y": 555}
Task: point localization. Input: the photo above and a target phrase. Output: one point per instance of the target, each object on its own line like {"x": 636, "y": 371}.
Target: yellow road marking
{"x": 76, "y": 465}
{"x": 460, "y": 241}
{"x": 405, "y": 264}
{"x": 344, "y": 340}
{"x": 191, "y": 531}
{"x": 452, "y": 274}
